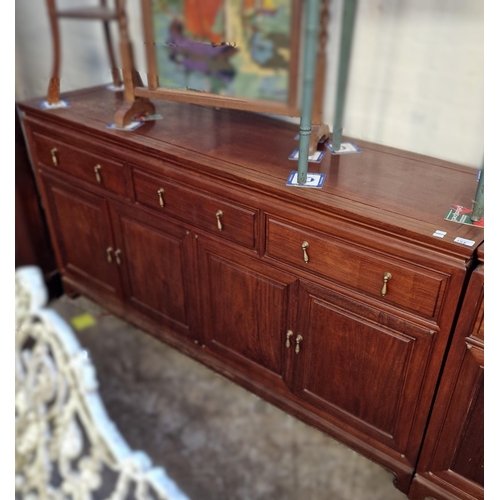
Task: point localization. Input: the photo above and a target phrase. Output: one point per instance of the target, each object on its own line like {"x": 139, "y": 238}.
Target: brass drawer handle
{"x": 218, "y": 214}
{"x": 97, "y": 174}
{"x": 289, "y": 334}
{"x": 109, "y": 251}
{"x": 387, "y": 277}
{"x": 160, "y": 192}
{"x": 53, "y": 153}
{"x": 305, "y": 246}
{"x": 117, "y": 256}
{"x": 298, "y": 340}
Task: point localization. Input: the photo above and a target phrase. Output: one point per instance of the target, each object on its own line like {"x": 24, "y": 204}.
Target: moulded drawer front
{"x": 82, "y": 164}
{"x": 221, "y": 217}
{"x": 409, "y": 287}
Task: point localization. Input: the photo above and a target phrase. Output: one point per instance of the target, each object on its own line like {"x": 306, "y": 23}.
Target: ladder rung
{"x": 101, "y": 13}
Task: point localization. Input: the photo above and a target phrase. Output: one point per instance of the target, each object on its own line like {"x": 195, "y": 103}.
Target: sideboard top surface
{"x": 398, "y": 192}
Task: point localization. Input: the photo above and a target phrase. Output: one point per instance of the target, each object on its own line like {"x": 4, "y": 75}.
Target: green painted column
{"x": 478, "y": 209}
{"x": 348, "y": 18}
{"x": 309, "y": 72}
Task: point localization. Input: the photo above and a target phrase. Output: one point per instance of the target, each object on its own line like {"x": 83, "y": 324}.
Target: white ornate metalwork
{"x": 67, "y": 448}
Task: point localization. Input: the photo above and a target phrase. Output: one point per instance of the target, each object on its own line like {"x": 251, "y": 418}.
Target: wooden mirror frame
{"x": 138, "y": 96}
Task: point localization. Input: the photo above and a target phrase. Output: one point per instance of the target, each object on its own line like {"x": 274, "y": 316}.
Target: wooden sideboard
{"x": 452, "y": 461}
{"x": 33, "y": 245}
{"x": 186, "y": 228}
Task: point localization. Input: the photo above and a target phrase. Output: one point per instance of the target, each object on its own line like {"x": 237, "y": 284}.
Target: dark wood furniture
{"x": 335, "y": 304}
{"x": 101, "y": 12}
{"x": 137, "y": 95}
{"x": 32, "y": 240}
{"x": 452, "y": 461}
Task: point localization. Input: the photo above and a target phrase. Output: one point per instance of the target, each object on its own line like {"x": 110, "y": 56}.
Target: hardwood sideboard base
{"x": 391, "y": 461}
{"x": 337, "y": 305}
{"x": 432, "y": 488}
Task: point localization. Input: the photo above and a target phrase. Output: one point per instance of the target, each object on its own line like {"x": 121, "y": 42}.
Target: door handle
{"x": 298, "y": 340}
{"x": 97, "y": 174}
{"x": 219, "y": 214}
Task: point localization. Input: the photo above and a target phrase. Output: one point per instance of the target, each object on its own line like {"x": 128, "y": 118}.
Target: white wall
{"x": 416, "y": 79}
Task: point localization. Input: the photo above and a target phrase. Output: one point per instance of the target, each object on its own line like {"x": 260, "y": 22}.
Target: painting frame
{"x": 291, "y": 107}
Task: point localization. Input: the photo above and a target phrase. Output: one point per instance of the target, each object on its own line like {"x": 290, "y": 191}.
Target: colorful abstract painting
{"x": 238, "y": 48}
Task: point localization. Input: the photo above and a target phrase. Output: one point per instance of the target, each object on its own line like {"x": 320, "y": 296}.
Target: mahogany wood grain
{"x": 155, "y": 267}
{"x": 81, "y": 229}
{"x": 360, "y": 268}
{"x": 339, "y": 366}
{"x": 245, "y": 311}
{"x": 81, "y": 163}
{"x": 149, "y": 41}
{"x": 452, "y": 459}
{"x": 53, "y": 92}
{"x": 218, "y": 101}
{"x": 393, "y": 191}
{"x": 237, "y": 223}
{"x": 368, "y": 366}
{"x": 99, "y": 12}
{"x": 32, "y": 240}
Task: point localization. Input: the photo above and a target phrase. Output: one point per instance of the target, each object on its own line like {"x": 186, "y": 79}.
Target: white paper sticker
{"x": 439, "y": 234}
{"x": 115, "y": 88}
{"x": 316, "y": 157}
{"x": 463, "y": 241}
{"x": 61, "y": 104}
{"x": 345, "y": 147}
{"x": 128, "y": 128}
{"x": 312, "y": 181}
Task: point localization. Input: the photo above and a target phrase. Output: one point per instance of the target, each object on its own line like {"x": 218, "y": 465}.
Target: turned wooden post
{"x": 133, "y": 105}
{"x": 53, "y": 94}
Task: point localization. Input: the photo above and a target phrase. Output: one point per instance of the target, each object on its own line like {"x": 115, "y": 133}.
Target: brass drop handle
{"x": 53, "y": 153}
{"x": 305, "y": 246}
{"x": 117, "y": 256}
{"x": 387, "y": 277}
{"x": 97, "y": 174}
{"x": 218, "y": 214}
{"x": 289, "y": 334}
{"x": 298, "y": 340}
{"x": 109, "y": 251}
{"x": 160, "y": 192}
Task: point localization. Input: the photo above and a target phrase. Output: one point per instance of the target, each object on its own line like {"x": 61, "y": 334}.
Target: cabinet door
{"x": 156, "y": 261}
{"x": 452, "y": 459}
{"x": 81, "y": 230}
{"x": 362, "y": 366}
{"x": 245, "y": 307}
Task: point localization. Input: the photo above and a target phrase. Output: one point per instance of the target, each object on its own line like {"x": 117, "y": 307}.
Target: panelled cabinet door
{"x": 451, "y": 464}
{"x": 81, "y": 228}
{"x": 360, "y": 365}
{"x": 245, "y": 312}
{"x": 156, "y": 261}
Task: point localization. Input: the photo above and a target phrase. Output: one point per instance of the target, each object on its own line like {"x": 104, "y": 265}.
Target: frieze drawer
{"x": 89, "y": 167}
{"x": 414, "y": 289}
{"x": 221, "y": 217}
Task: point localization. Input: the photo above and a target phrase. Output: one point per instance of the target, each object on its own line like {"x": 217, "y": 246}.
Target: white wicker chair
{"x": 66, "y": 445}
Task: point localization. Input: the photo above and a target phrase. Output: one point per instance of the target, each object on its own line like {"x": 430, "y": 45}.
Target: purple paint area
{"x": 206, "y": 58}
